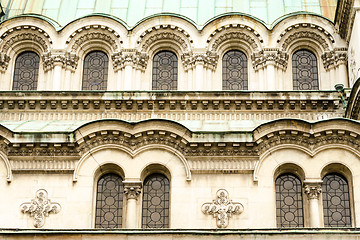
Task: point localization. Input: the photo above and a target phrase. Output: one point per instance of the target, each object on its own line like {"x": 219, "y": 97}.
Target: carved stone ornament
{"x": 334, "y": 58}
{"x": 66, "y": 60}
{"x": 130, "y": 57}
{"x": 313, "y": 190}
{"x": 40, "y": 207}
{"x": 222, "y": 208}
{"x": 266, "y": 56}
{"x": 208, "y": 59}
{"x": 132, "y": 189}
{"x": 4, "y": 62}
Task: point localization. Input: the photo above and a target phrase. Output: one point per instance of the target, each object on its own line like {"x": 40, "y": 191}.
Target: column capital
{"x": 313, "y": 188}
{"x": 132, "y": 189}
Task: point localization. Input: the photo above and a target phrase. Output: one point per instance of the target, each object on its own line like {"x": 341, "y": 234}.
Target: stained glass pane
{"x": 155, "y": 209}
{"x": 289, "y": 205}
{"x": 109, "y": 201}
{"x": 305, "y": 72}
{"x": 165, "y": 70}
{"x": 336, "y": 201}
{"x": 95, "y": 72}
{"x": 26, "y": 71}
{"x": 234, "y": 72}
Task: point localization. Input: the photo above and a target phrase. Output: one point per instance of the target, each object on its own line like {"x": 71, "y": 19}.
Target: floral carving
{"x": 135, "y": 58}
{"x": 4, "y": 62}
{"x": 132, "y": 189}
{"x": 22, "y": 37}
{"x": 313, "y": 190}
{"x": 262, "y": 58}
{"x": 66, "y": 60}
{"x": 40, "y": 207}
{"x": 209, "y": 59}
{"x": 334, "y": 58}
{"x": 222, "y": 208}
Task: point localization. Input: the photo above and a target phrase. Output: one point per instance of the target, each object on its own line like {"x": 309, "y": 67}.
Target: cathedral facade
{"x": 171, "y": 124}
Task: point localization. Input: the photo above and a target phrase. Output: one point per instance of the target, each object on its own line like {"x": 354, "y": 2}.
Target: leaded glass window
{"x": 155, "y": 209}
{"x": 305, "y": 72}
{"x": 165, "y": 71}
{"x": 95, "y": 72}
{"x": 336, "y": 201}
{"x": 109, "y": 201}
{"x": 26, "y": 71}
{"x": 289, "y": 204}
{"x": 234, "y": 71}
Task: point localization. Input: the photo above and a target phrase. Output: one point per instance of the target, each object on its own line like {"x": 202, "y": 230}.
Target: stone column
{"x": 132, "y": 190}
{"x": 313, "y": 190}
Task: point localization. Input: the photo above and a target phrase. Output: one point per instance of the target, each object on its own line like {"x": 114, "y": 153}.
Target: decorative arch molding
{"x": 7, "y": 166}
{"x": 235, "y": 28}
{"x": 165, "y": 32}
{"x": 310, "y": 152}
{"x": 288, "y": 40}
{"x": 33, "y": 29}
{"x": 132, "y": 154}
{"x": 235, "y": 36}
{"x": 91, "y": 33}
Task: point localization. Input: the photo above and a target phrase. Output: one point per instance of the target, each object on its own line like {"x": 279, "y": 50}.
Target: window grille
{"x": 109, "y": 201}
{"x": 95, "y": 72}
{"x": 165, "y": 71}
{"x": 336, "y": 201}
{"x": 26, "y": 71}
{"x": 234, "y": 72}
{"x": 155, "y": 209}
{"x": 305, "y": 72}
{"x": 289, "y": 204}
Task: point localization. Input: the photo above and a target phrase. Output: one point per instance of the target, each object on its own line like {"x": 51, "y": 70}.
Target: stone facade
{"x": 221, "y": 151}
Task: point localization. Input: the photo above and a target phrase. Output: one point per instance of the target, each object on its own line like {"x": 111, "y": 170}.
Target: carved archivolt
{"x": 94, "y": 32}
{"x": 234, "y": 36}
{"x": 165, "y": 32}
{"x": 305, "y": 35}
{"x": 8, "y": 43}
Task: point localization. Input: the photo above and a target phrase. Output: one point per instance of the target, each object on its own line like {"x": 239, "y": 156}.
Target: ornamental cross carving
{"x": 222, "y": 208}
{"x": 40, "y": 207}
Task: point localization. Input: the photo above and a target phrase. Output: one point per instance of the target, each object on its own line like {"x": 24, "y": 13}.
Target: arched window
{"x": 26, "y": 71}
{"x": 165, "y": 71}
{"x": 95, "y": 72}
{"x": 155, "y": 207}
{"x": 109, "y": 201}
{"x": 289, "y": 204}
{"x": 305, "y": 72}
{"x": 336, "y": 201}
{"x": 234, "y": 71}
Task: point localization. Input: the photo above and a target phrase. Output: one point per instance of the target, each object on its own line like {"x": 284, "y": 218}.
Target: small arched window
{"x": 336, "y": 201}
{"x": 234, "y": 71}
{"x": 109, "y": 201}
{"x": 305, "y": 72}
{"x": 155, "y": 207}
{"x": 289, "y": 203}
{"x": 26, "y": 71}
{"x": 95, "y": 71}
{"x": 165, "y": 71}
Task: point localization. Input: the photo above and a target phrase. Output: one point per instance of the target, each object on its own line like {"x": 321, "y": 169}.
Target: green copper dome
{"x": 199, "y": 11}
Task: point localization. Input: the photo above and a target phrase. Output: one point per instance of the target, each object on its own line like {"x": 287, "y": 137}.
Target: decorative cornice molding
{"x": 270, "y": 56}
{"x": 344, "y": 16}
{"x": 334, "y": 58}
{"x": 131, "y": 57}
{"x": 40, "y": 207}
{"x": 208, "y": 59}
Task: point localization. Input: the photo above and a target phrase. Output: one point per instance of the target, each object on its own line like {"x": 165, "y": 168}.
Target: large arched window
{"x": 155, "y": 207}
{"x": 95, "y": 72}
{"x": 26, "y": 71}
{"x": 336, "y": 201}
{"x": 165, "y": 71}
{"x": 109, "y": 201}
{"x": 234, "y": 71}
{"x": 304, "y": 69}
{"x": 289, "y": 204}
